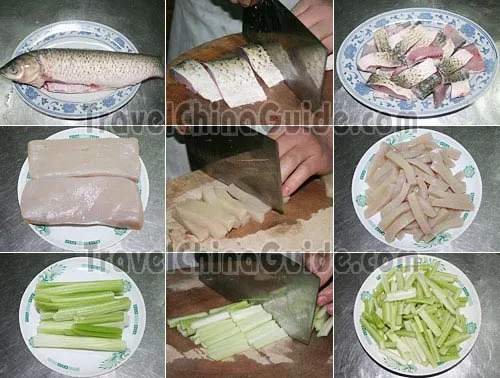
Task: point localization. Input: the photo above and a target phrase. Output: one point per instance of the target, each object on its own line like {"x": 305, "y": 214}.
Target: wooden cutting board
{"x": 309, "y": 199}
{"x": 187, "y": 295}
{"x": 282, "y": 106}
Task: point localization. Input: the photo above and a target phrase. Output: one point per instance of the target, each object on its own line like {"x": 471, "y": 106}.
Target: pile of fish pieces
{"x": 232, "y": 79}
{"x": 219, "y": 211}
{"x": 410, "y": 60}
{"x": 412, "y": 186}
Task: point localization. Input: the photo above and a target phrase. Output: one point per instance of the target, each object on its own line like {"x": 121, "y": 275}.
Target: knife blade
{"x": 298, "y": 54}
{"x": 239, "y": 155}
{"x": 284, "y": 288}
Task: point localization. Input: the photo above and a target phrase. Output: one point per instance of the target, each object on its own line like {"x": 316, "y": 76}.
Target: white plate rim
{"x": 20, "y": 88}
{"x": 412, "y": 114}
{"x": 409, "y": 259}
{"x": 455, "y": 233}
{"x": 143, "y": 182}
{"x": 141, "y": 311}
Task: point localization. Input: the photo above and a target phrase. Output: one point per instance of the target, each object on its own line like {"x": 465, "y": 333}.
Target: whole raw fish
{"x": 81, "y": 71}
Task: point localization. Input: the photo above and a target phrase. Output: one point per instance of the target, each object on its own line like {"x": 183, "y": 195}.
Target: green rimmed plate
{"x": 82, "y": 363}
{"x": 466, "y": 164}
{"x": 472, "y": 313}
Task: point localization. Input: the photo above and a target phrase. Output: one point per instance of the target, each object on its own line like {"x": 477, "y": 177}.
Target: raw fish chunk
{"x": 196, "y": 78}
{"x": 110, "y": 201}
{"x": 261, "y": 63}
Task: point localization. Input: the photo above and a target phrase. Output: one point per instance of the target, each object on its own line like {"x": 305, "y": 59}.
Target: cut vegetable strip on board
{"x": 111, "y": 201}
{"x": 203, "y": 217}
{"x": 196, "y": 78}
{"x": 84, "y": 157}
{"x": 422, "y": 197}
{"x": 260, "y": 61}
{"x": 236, "y": 81}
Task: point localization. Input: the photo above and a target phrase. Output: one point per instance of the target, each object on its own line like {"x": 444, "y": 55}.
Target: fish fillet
{"x": 196, "y": 78}
{"x": 110, "y": 201}
{"x": 84, "y": 157}
{"x": 236, "y": 81}
{"x": 261, "y": 63}
{"x": 81, "y": 71}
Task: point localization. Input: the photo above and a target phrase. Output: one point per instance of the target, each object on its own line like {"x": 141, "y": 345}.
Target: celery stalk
{"x": 172, "y": 323}
{"x": 77, "y": 342}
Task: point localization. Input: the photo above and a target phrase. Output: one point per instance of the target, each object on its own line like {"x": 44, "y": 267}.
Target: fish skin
{"x": 379, "y": 59}
{"x": 384, "y": 84}
{"x": 262, "y": 64}
{"x": 381, "y": 38}
{"x": 426, "y": 87}
{"x": 89, "y": 70}
{"x": 415, "y": 75}
{"x": 196, "y": 78}
{"x": 414, "y": 35}
{"x": 459, "y": 75}
{"x": 454, "y": 62}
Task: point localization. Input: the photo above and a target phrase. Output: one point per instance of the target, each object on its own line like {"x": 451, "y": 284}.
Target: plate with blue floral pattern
{"x": 465, "y": 164}
{"x": 471, "y": 311}
{"x": 352, "y": 48}
{"x": 83, "y": 363}
{"x": 83, "y": 238}
{"x": 77, "y": 35}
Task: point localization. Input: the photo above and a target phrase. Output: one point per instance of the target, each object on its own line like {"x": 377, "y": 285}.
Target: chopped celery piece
{"x": 262, "y": 329}
{"x": 120, "y": 304}
{"x": 172, "y": 323}
{"x": 78, "y": 342}
{"x": 46, "y": 315}
{"x": 456, "y": 340}
{"x": 214, "y": 328}
{"x": 401, "y": 295}
{"x": 272, "y": 337}
{"x": 224, "y": 335}
{"x": 321, "y": 312}
{"x": 230, "y": 351}
{"x": 99, "y": 319}
{"x": 209, "y": 319}
{"x": 54, "y": 328}
{"x": 250, "y": 323}
{"x": 224, "y": 343}
{"x": 230, "y": 307}
{"x": 240, "y": 314}
{"x": 116, "y": 286}
{"x": 327, "y": 327}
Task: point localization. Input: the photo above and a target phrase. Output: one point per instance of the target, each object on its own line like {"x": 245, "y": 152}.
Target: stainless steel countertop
{"x": 350, "y": 145}
{"x": 17, "y": 271}
{"x": 349, "y": 14}
{"x": 16, "y": 235}
{"x": 143, "y": 22}
{"x": 350, "y": 358}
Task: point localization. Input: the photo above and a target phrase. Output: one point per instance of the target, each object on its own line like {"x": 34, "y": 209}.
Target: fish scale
{"x": 381, "y": 38}
{"x": 415, "y": 75}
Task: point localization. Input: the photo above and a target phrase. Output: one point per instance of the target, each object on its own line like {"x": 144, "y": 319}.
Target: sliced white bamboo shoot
{"x": 200, "y": 232}
{"x": 214, "y": 212}
{"x": 203, "y": 219}
{"x": 230, "y": 204}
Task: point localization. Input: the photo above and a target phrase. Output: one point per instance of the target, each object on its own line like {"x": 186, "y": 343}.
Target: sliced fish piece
{"x": 379, "y": 59}
{"x": 448, "y": 48}
{"x": 440, "y": 39}
{"x": 109, "y": 201}
{"x": 261, "y": 63}
{"x": 476, "y": 64}
{"x": 454, "y": 35}
{"x": 369, "y": 48}
{"x": 460, "y": 75}
{"x": 428, "y": 36}
{"x": 414, "y": 35}
{"x": 415, "y": 75}
{"x": 426, "y": 87}
{"x": 398, "y": 34}
{"x": 396, "y": 28}
{"x": 383, "y": 84}
{"x": 460, "y": 89}
{"x": 454, "y": 62}
{"x": 421, "y": 53}
{"x": 196, "y": 78}
{"x": 82, "y": 70}
{"x": 439, "y": 94}
{"x": 84, "y": 157}
{"x": 236, "y": 81}
{"x": 381, "y": 38}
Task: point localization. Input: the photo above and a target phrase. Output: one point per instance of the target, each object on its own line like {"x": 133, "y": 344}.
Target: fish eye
{"x": 13, "y": 70}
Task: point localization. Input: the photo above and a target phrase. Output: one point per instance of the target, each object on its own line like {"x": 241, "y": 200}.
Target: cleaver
{"x": 239, "y": 155}
{"x": 298, "y": 54}
{"x": 286, "y": 289}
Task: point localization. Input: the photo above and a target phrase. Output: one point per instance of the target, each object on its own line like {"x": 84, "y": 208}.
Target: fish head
{"x": 24, "y": 69}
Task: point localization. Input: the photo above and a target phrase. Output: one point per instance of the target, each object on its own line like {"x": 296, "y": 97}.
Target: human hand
{"x": 245, "y": 3}
{"x": 317, "y": 16}
{"x": 321, "y": 264}
{"x": 303, "y": 152}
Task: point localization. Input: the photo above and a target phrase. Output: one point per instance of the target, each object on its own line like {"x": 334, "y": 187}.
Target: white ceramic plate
{"x": 472, "y": 313}
{"x": 84, "y": 238}
{"x": 466, "y": 164}
{"x": 82, "y": 363}
{"x": 351, "y": 49}
{"x": 76, "y": 35}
